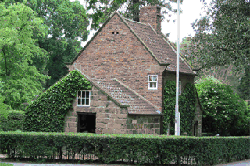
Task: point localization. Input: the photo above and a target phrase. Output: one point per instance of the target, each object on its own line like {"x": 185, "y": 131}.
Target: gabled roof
{"x": 123, "y": 96}
{"x": 157, "y": 45}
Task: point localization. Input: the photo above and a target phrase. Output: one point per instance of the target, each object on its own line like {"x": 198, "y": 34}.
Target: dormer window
{"x": 152, "y": 82}
{"x": 83, "y": 98}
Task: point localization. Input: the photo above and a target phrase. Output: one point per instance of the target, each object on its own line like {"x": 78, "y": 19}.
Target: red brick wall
{"x": 124, "y": 57}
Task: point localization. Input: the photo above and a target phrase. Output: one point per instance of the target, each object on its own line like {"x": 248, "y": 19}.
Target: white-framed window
{"x": 152, "y": 81}
{"x": 83, "y": 98}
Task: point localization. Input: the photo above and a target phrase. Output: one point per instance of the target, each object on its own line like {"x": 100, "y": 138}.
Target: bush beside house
{"x": 224, "y": 112}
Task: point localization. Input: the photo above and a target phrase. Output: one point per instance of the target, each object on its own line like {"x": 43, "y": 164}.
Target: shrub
{"x": 12, "y": 120}
{"x": 224, "y": 112}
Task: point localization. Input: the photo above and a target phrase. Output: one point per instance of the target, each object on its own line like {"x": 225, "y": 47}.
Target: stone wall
{"x": 112, "y": 119}
{"x": 117, "y": 52}
{"x": 143, "y": 124}
{"x": 109, "y": 117}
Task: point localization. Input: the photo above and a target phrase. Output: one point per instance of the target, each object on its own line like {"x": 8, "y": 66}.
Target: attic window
{"x": 113, "y": 32}
{"x": 117, "y": 33}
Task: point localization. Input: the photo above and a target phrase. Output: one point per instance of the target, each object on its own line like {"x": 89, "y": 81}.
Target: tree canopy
{"x": 223, "y": 36}
{"x": 19, "y": 80}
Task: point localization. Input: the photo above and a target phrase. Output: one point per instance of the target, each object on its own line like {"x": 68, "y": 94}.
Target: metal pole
{"x": 177, "y": 113}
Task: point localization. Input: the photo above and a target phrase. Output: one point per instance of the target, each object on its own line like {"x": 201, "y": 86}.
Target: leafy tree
{"x": 67, "y": 21}
{"x": 223, "y": 36}
{"x": 224, "y": 112}
{"x": 244, "y": 87}
{"x": 19, "y": 80}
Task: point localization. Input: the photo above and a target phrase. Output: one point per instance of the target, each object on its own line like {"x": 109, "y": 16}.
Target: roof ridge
{"x": 153, "y": 29}
{"x": 140, "y": 97}
{"x": 134, "y": 21}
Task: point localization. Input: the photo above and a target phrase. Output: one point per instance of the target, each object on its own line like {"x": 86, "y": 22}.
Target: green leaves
{"x": 187, "y": 108}
{"x": 21, "y": 80}
{"x": 222, "y": 37}
{"x": 52, "y": 106}
{"x": 222, "y": 109}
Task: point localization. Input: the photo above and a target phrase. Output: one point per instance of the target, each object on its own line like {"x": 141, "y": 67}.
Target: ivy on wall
{"x": 169, "y": 106}
{"x": 186, "y": 107}
{"x": 47, "y": 113}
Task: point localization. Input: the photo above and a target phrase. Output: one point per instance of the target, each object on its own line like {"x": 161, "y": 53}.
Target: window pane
{"x": 87, "y": 101}
{"x": 150, "y": 78}
{"x": 154, "y": 78}
{"x": 84, "y": 94}
{"x": 79, "y": 94}
{"x": 151, "y": 84}
{"x": 154, "y": 84}
{"x": 87, "y": 94}
{"x": 79, "y": 101}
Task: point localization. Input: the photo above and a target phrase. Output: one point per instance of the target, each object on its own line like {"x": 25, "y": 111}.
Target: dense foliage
{"x": 169, "y": 107}
{"x": 19, "y": 81}
{"x": 186, "y": 108}
{"x": 244, "y": 86}
{"x": 47, "y": 113}
{"x": 12, "y": 120}
{"x": 224, "y": 112}
{"x": 223, "y": 35}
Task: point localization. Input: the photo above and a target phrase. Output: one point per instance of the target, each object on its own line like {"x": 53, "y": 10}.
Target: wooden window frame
{"x": 83, "y": 98}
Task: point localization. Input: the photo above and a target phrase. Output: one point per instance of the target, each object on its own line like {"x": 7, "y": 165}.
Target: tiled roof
{"x": 158, "y": 45}
{"x": 124, "y": 96}
{"x": 122, "y": 93}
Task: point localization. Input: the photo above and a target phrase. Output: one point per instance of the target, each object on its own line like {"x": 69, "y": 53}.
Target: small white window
{"x": 83, "y": 98}
{"x": 152, "y": 82}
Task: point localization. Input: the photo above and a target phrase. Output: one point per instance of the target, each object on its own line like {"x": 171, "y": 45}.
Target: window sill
{"x": 152, "y": 89}
{"x": 83, "y": 105}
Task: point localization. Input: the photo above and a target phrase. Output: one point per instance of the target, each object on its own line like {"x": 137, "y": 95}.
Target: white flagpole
{"x": 177, "y": 113}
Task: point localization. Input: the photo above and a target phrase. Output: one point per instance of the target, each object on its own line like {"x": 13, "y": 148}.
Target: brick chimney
{"x": 151, "y": 15}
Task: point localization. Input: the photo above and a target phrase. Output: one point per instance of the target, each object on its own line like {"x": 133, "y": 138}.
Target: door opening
{"x": 86, "y": 122}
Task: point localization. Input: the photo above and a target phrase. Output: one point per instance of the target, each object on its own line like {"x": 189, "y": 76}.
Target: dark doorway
{"x": 86, "y": 122}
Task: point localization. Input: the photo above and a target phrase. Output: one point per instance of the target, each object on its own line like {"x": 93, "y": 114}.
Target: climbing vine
{"x": 47, "y": 113}
{"x": 186, "y": 107}
{"x": 169, "y": 106}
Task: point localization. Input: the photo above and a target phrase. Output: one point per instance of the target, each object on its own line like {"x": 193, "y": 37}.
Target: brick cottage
{"x": 127, "y": 63}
